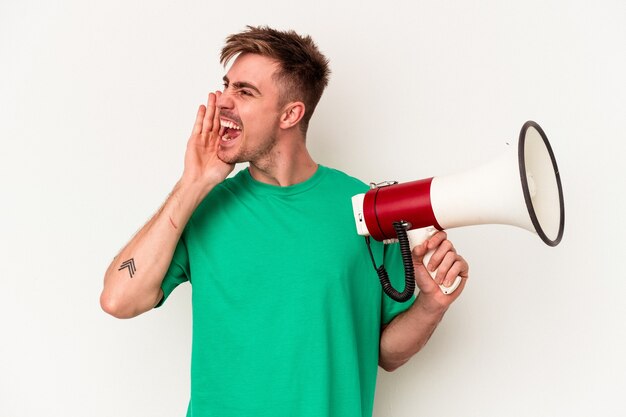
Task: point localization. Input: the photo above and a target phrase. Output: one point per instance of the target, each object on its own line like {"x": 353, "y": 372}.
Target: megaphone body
{"x": 520, "y": 188}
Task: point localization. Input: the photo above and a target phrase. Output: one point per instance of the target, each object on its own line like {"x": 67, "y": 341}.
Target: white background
{"x": 96, "y": 103}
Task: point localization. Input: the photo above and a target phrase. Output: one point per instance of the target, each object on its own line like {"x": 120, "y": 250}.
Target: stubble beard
{"x": 260, "y": 156}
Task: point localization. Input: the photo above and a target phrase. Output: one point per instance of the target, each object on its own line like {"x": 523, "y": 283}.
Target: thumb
{"x": 418, "y": 252}
{"x": 423, "y": 278}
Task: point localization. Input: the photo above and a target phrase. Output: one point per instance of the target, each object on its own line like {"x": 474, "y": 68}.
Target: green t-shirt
{"x": 287, "y": 308}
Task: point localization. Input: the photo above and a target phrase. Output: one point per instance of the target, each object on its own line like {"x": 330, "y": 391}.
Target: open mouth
{"x": 229, "y": 130}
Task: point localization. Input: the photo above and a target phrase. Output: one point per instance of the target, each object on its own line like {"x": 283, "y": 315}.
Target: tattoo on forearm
{"x": 130, "y": 264}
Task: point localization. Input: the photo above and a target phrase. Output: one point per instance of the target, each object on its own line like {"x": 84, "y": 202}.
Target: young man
{"x": 288, "y": 314}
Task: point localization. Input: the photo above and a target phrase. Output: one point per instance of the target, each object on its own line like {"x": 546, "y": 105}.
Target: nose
{"x": 224, "y": 101}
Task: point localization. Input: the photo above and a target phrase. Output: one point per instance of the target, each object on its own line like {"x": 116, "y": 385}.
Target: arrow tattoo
{"x": 130, "y": 264}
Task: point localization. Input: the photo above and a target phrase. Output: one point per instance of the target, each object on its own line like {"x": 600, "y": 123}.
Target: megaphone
{"x": 520, "y": 188}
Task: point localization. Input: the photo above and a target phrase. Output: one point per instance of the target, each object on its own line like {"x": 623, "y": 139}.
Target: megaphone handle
{"x": 419, "y": 236}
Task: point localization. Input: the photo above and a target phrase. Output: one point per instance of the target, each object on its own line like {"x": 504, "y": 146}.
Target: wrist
{"x": 183, "y": 201}
{"x": 430, "y": 306}
{"x": 192, "y": 191}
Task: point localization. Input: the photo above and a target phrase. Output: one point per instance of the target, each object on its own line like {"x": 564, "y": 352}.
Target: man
{"x": 288, "y": 315}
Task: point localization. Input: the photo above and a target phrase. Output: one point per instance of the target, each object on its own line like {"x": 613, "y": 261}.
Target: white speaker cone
{"x": 490, "y": 193}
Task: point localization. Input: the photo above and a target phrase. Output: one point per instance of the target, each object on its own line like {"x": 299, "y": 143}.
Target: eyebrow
{"x": 241, "y": 84}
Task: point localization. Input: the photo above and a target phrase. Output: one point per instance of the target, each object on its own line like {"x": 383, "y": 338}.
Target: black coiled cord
{"x": 409, "y": 273}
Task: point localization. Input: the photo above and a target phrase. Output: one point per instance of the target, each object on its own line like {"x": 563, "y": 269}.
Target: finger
{"x": 424, "y": 280}
{"x": 458, "y": 269}
{"x": 216, "y": 113}
{"x": 214, "y": 135}
{"x": 436, "y": 239}
{"x": 419, "y": 251}
{"x": 446, "y": 263}
{"x": 197, "y": 126}
{"x": 207, "y": 123}
{"x": 440, "y": 252}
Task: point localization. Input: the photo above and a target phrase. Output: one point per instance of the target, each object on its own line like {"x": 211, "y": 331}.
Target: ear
{"x": 292, "y": 114}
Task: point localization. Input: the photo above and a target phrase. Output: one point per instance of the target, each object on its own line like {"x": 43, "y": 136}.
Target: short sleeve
{"x": 178, "y": 271}
{"x": 395, "y": 268}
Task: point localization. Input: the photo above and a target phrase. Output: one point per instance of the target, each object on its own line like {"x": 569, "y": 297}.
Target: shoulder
{"x": 223, "y": 194}
{"x": 342, "y": 180}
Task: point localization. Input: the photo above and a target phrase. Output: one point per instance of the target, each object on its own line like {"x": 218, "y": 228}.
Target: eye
{"x": 245, "y": 93}
{"x": 225, "y": 85}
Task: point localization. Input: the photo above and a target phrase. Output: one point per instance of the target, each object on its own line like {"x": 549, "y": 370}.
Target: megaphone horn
{"x": 520, "y": 188}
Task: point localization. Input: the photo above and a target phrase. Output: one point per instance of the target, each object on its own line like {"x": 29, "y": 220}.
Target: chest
{"x": 280, "y": 248}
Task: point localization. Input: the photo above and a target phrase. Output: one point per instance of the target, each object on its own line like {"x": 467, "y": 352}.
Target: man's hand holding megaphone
{"x": 408, "y": 332}
{"x": 448, "y": 265}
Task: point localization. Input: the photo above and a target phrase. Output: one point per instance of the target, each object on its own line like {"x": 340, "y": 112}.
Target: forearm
{"x": 407, "y": 333}
{"x": 132, "y": 283}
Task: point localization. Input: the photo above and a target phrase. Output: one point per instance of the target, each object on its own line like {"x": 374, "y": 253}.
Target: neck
{"x": 289, "y": 163}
